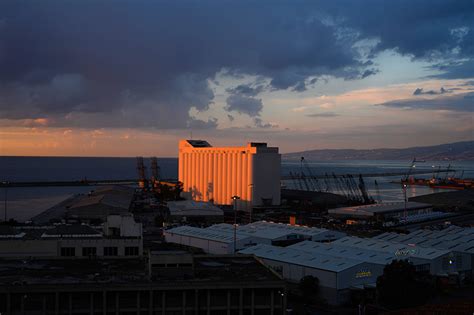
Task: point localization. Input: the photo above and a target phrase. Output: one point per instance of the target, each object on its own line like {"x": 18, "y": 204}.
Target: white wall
{"x": 266, "y": 178}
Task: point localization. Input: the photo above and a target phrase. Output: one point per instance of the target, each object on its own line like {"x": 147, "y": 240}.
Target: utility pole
{"x": 251, "y": 203}
{"x": 5, "y": 200}
{"x": 235, "y": 198}
{"x": 405, "y": 200}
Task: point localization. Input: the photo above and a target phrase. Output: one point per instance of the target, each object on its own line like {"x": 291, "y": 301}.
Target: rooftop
{"x": 383, "y": 208}
{"x": 214, "y": 235}
{"x": 126, "y": 271}
{"x": 345, "y": 252}
{"x": 400, "y": 250}
{"x": 452, "y": 238}
{"x": 298, "y": 257}
{"x": 191, "y": 207}
{"x": 269, "y": 230}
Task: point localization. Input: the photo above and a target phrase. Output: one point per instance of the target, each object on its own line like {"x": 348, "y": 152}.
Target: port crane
{"x": 410, "y": 169}
{"x": 346, "y": 185}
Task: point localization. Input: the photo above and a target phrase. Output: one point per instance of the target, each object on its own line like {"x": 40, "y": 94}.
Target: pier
{"x": 135, "y": 181}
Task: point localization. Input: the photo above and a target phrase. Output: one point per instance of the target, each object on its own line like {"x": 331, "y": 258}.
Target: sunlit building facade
{"x": 216, "y": 174}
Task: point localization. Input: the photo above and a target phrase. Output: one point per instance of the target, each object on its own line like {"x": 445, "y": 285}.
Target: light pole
{"x": 251, "y": 202}
{"x": 5, "y": 201}
{"x": 405, "y": 200}
{"x": 235, "y": 198}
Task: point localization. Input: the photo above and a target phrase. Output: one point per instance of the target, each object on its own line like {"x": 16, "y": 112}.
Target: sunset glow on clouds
{"x": 133, "y": 80}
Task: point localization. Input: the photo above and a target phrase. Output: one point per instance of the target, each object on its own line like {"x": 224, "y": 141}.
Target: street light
{"x": 235, "y": 198}
{"x": 405, "y": 200}
{"x": 5, "y": 201}
{"x": 251, "y": 202}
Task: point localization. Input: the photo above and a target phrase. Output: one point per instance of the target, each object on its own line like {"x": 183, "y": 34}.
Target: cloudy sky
{"x": 128, "y": 78}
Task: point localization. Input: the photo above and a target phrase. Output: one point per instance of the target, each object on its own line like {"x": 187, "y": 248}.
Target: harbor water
{"x": 25, "y": 202}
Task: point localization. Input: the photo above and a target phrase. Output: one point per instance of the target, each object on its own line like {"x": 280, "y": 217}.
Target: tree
{"x": 401, "y": 286}
{"x": 309, "y": 287}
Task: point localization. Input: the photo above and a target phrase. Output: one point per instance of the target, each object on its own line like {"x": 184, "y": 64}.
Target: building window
{"x": 110, "y": 251}
{"x": 68, "y": 251}
{"x": 89, "y": 251}
{"x": 131, "y": 251}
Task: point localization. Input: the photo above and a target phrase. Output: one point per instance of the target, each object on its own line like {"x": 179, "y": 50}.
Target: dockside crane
{"x": 363, "y": 189}
{"x": 155, "y": 171}
{"x": 447, "y": 172}
{"x": 312, "y": 179}
{"x": 141, "y": 169}
{"x": 377, "y": 190}
{"x": 410, "y": 169}
{"x": 303, "y": 175}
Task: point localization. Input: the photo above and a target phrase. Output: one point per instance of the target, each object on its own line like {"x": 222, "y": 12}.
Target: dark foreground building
{"x": 203, "y": 285}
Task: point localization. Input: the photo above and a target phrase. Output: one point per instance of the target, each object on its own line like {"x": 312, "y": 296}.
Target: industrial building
{"x": 388, "y": 212}
{"x": 120, "y": 236}
{"x": 214, "y": 285}
{"x": 216, "y": 174}
{"x": 219, "y": 238}
{"x": 337, "y": 276}
{"x": 92, "y": 207}
{"x": 458, "y": 240}
{"x": 439, "y": 262}
{"x": 353, "y": 263}
{"x": 194, "y": 212}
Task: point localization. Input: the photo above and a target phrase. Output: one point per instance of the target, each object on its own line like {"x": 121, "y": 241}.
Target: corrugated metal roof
{"x": 370, "y": 210}
{"x": 298, "y": 257}
{"x": 451, "y": 238}
{"x": 191, "y": 207}
{"x": 401, "y": 250}
{"x": 270, "y": 230}
{"x": 345, "y": 252}
{"x": 219, "y": 236}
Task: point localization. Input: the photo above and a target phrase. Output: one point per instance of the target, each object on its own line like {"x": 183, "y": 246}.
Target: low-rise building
{"x": 120, "y": 236}
{"x": 215, "y": 285}
{"x": 190, "y": 211}
{"x": 337, "y": 276}
{"x": 394, "y": 212}
{"x": 459, "y": 241}
{"x": 219, "y": 238}
{"x": 438, "y": 262}
{"x": 92, "y": 207}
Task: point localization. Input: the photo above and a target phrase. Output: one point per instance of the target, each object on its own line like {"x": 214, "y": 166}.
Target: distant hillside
{"x": 451, "y": 151}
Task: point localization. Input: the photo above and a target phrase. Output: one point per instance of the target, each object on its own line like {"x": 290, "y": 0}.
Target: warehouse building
{"x": 219, "y": 238}
{"x": 217, "y": 174}
{"x": 194, "y": 212}
{"x": 92, "y": 207}
{"x": 440, "y": 262}
{"x": 460, "y": 241}
{"x": 211, "y": 242}
{"x": 215, "y": 285}
{"x": 337, "y": 276}
{"x": 280, "y": 232}
{"x": 396, "y": 212}
{"x": 119, "y": 237}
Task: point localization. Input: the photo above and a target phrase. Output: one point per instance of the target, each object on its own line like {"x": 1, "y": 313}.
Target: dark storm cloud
{"x": 145, "y": 64}
{"x": 420, "y": 91}
{"x": 244, "y": 104}
{"x": 431, "y": 30}
{"x": 460, "y": 102}
{"x": 259, "y": 123}
{"x": 200, "y": 124}
{"x": 242, "y": 99}
{"x": 323, "y": 115}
